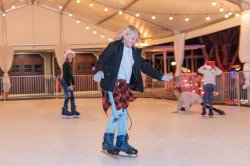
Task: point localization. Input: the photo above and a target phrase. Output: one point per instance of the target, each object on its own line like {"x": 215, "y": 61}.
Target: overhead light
{"x": 102, "y": 36}
{"x": 186, "y": 19}
{"x": 78, "y": 1}
{"x": 207, "y": 18}
{"x": 214, "y": 3}
{"x": 237, "y": 15}
{"x": 87, "y": 27}
{"x": 137, "y": 15}
{"x": 153, "y": 17}
{"x": 106, "y": 9}
{"x": 110, "y": 39}
{"x": 78, "y": 21}
{"x": 120, "y": 12}
{"x": 226, "y": 16}
{"x": 221, "y": 9}
{"x": 91, "y": 4}
{"x": 4, "y": 14}
{"x": 70, "y": 14}
{"x": 171, "y": 18}
{"x": 13, "y": 6}
{"x": 94, "y": 32}
{"x": 60, "y": 7}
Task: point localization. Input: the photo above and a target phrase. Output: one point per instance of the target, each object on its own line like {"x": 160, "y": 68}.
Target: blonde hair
{"x": 126, "y": 32}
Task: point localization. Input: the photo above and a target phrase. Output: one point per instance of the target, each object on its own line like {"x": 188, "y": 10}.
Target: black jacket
{"x": 67, "y": 73}
{"x": 110, "y": 60}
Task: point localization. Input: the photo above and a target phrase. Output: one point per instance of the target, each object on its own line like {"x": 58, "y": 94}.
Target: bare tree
{"x": 222, "y": 47}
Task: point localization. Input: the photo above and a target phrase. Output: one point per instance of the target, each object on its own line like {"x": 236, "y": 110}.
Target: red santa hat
{"x": 211, "y": 63}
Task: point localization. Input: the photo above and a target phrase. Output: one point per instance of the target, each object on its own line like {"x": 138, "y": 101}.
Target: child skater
{"x": 209, "y": 71}
{"x": 119, "y": 69}
{"x": 187, "y": 99}
{"x": 68, "y": 84}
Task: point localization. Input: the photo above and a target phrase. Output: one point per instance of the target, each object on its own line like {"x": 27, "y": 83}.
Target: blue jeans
{"x": 117, "y": 118}
{"x": 208, "y": 95}
{"x": 69, "y": 95}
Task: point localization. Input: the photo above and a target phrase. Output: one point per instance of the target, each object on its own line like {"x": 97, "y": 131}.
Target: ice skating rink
{"x": 34, "y": 134}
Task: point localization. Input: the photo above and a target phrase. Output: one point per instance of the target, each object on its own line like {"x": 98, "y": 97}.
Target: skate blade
{"x": 67, "y": 117}
{"x": 108, "y": 154}
{"x": 123, "y": 154}
{"x": 128, "y": 155}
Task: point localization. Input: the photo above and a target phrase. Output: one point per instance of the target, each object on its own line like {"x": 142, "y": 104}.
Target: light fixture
{"x": 214, "y": 3}
{"x": 13, "y": 6}
{"x": 120, "y": 12}
{"x": 94, "y": 32}
{"x": 78, "y": 21}
{"x": 110, "y": 39}
{"x": 106, "y": 9}
{"x": 207, "y": 18}
{"x": 153, "y": 17}
{"x": 78, "y": 1}
{"x": 137, "y": 14}
{"x": 187, "y": 19}
{"x": 226, "y": 16}
{"x": 221, "y": 9}
{"x": 171, "y": 18}
{"x": 91, "y": 4}
{"x": 237, "y": 15}
{"x": 70, "y": 14}
{"x": 102, "y": 36}
{"x": 4, "y": 14}
{"x": 87, "y": 27}
{"x": 60, "y": 7}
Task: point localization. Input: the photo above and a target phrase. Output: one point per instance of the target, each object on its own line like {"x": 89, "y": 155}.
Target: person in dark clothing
{"x": 119, "y": 69}
{"x": 68, "y": 84}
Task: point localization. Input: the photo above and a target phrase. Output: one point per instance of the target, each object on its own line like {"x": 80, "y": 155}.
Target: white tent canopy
{"x": 36, "y": 24}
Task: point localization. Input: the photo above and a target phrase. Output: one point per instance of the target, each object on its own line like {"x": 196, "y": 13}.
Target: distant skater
{"x": 187, "y": 99}
{"x": 209, "y": 71}
{"x": 68, "y": 84}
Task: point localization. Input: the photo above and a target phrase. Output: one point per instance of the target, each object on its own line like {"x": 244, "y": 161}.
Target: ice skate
{"x": 108, "y": 146}
{"x": 219, "y": 111}
{"x": 75, "y": 113}
{"x": 203, "y": 114}
{"x": 211, "y": 114}
{"x": 66, "y": 114}
{"x": 123, "y": 145}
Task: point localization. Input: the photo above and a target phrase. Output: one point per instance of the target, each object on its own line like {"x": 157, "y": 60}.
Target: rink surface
{"x": 34, "y": 134}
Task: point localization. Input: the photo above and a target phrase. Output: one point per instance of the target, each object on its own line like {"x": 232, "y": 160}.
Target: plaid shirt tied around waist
{"x": 121, "y": 94}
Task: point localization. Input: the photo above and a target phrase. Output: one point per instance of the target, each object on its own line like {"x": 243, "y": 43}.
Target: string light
{"x": 207, "y": 18}
{"x": 221, "y": 9}
{"x": 187, "y": 19}
{"x": 237, "y": 15}
{"x": 214, "y": 3}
